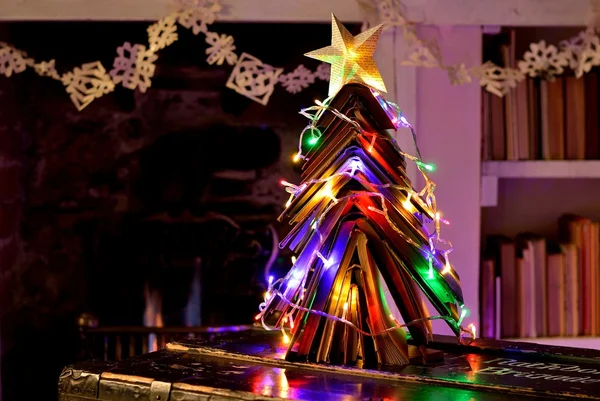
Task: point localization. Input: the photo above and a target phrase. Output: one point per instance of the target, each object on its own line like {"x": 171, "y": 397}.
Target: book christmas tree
{"x": 368, "y": 245}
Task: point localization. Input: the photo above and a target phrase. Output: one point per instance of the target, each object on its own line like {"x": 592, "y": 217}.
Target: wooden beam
{"x": 141, "y": 10}
{"x": 434, "y": 12}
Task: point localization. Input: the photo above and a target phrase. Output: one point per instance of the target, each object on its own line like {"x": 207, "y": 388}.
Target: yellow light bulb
{"x": 328, "y": 192}
{"x": 407, "y": 203}
{"x": 473, "y": 329}
{"x": 447, "y": 267}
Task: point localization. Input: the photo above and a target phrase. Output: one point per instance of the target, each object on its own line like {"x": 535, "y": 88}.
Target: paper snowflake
{"x": 12, "y": 61}
{"x": 424, "y": 55}
{"x": 389, "y": 12}
{"x": 497, "y": 80}
{"x": 253, "y": 79}
{"x": 220, "y": 49}
{"x": 458, "y": 74}
{"x": 134, "y": 66}
{"x": 297, "y": 80}
{"x": 572, "y": 48}
{"x": 323, "y": 71}
{"x": 46, "y": 69}
{"x": 543, "y": 60}
{"x": 86, "y": 83}
{"x": 162, "y": 33}
{"x": 198, "y": 17}
{"x": 589, "y": 56}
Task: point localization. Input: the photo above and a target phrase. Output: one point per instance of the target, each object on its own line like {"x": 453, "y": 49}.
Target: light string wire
{"x": 428, "y": 192}
{"x": 400, "y": 120}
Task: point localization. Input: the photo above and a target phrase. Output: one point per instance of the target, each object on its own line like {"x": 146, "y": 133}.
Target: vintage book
{"x": 520, "y": 313}
{"x": 487, "y": 298}
{"x": 536, "y": 297}
{"x": 553, "y": 119}
{"x": 251, "y": 366}
{"x": 359, "y": 231}
{"x": 575, "y": 118}
{"x": 510, "y": 105}
{"x": 578, "y": 230}
{"x": 545, "y": 119}
{"x": 572, "y": 280}
{"x": 505, "y": 251}
{"x": 526, "y": 292}
{"x": 533, "y": 111}
{"x": 522, "y": 126}
{"x": 486, "y": 125}
{"x": 592, "y": 126}
{"x": 595, "y": 275}
{"x": 556, "y": 293}
{"x": 498, "y": 127}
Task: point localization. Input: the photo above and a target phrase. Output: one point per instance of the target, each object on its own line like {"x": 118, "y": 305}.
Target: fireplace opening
{"x": 144, "y": 209}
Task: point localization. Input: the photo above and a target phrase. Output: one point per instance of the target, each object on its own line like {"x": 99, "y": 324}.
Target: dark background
{"x": 96, "y": 206}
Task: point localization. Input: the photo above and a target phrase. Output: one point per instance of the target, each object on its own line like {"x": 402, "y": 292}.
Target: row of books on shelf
{"x": 532, "y": 287}
{"x": 554, "y": 119}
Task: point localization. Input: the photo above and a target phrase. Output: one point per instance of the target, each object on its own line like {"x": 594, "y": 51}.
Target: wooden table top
{"x": 249, "y": 366}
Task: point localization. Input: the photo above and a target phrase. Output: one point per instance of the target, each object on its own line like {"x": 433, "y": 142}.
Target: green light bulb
{"x": 313, "y": 140}
{"x": 428, "y": 167}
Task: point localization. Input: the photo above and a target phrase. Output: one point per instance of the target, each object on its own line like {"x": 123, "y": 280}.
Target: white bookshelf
{"x": 542, "y": 169}
{"x": 493, "y": 171}
{"x": 575, "y": 342}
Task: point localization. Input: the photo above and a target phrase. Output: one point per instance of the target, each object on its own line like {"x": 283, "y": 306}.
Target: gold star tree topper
{"x": 351, "y": 57}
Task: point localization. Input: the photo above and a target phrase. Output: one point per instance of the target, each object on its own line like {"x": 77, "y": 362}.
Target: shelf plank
{"x": 575, "y": 342}
{"x": 430, "y": 12}
{"x": 542, "y": 169}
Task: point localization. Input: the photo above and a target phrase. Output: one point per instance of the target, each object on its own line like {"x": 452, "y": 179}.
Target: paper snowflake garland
{"x": 47, "y": 69}
{"x": 12, "y": 61}
{"x": 422, "y": 56}
{"x": 134, "y": 67}
{"x": 572, "y": 48}
{"x": 162, "y": 33}
{"x": 297, "y": 80}
{"x": 254, "y": 79}
{"x": 220, "y": 49}
{"x": 497, "y": 80}
{"x": 589, "y": 56}
{"x": 323, "y": 71}
{"x": 200, "y": 15}
{"x": 458, "y": 74}
{"x": 543, "y": 60}
{"x": 86, "y": 83}
{"x": 582, "y": 51}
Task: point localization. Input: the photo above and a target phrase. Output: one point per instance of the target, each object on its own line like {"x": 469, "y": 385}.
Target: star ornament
{"x": 351, "y": 57}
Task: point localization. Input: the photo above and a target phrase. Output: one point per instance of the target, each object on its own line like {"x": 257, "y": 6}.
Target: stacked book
{"x": 543, "y": 118}
{"x": 531, "y": 287}
{"x": 365, "y": 257}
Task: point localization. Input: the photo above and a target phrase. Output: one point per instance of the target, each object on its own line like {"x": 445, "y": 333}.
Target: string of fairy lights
{"x": 313, "y": 114}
